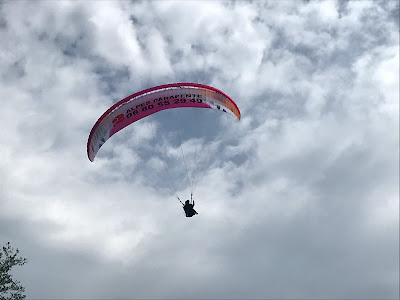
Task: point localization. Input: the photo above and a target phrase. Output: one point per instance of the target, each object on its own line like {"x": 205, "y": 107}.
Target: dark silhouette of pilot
{"x": 189, "y": 210}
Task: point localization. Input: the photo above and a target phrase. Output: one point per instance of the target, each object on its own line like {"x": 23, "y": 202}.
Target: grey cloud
{"x": 299, "y": 199}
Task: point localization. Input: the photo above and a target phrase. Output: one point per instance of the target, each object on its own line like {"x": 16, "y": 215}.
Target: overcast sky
{"x": 298, "y": 199}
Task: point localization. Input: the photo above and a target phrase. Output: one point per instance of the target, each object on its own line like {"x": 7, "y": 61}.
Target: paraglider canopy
{"x": 153, "y": 100}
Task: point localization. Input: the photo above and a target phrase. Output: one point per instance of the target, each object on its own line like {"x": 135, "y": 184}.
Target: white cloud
{"x": 293, "y": 188}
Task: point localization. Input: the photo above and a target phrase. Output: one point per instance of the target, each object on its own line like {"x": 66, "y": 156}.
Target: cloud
{"x": 299, "y": 199}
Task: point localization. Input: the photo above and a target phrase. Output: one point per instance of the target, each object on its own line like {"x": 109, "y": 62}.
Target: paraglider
{"x": 153, "y": 100}
{"x": 188, "y": 207}
{"x": 189, "y": 210}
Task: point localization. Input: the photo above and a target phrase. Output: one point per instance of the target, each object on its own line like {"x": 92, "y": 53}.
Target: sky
{"x": 299, "y": 199}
